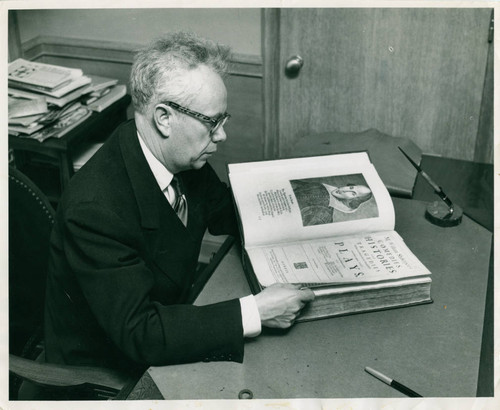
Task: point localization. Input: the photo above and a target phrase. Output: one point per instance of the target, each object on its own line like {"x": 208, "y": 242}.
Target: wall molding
{"x": 117, "y": 53}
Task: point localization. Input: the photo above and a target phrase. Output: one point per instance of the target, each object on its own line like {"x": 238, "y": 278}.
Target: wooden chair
{"x": 31, "y": 218}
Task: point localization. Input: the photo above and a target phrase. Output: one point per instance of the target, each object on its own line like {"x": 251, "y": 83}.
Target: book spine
{"x": 249, "y": 272}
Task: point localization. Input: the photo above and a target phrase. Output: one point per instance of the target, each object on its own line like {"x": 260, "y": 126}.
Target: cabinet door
{"x": 416, "y": 73}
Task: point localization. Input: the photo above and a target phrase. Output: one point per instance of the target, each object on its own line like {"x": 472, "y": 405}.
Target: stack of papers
{"x": 47, "y": 100}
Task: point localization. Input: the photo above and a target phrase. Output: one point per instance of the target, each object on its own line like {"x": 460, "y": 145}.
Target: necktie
{"x": 180, "y": 203}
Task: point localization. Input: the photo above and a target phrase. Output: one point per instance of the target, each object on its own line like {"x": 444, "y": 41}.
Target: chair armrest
{"x": 64, "y": 375}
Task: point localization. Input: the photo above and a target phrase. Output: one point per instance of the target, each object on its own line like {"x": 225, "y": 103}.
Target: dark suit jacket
{"x": 122, "y": 264}
{"x": 313, "y": 199}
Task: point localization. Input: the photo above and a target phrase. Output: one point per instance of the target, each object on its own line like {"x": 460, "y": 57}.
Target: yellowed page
{"x": 301, "y": 199}
{"x": 364, "y": 258}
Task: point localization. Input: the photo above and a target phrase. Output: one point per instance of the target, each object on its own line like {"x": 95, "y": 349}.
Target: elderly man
{"x": 129, "y": 229}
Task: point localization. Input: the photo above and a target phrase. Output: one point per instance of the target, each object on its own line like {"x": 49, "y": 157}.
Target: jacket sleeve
{"x": 116, "y": 284}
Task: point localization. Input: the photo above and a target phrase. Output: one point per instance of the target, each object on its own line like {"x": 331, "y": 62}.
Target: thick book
{"x": 44, "y": 76}
{"x": 326, "y": 222}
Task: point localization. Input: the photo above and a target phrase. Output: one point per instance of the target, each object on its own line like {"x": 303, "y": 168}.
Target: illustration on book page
{"x": 333, "y": 199}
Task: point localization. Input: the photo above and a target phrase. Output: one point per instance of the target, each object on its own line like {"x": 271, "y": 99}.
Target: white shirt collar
{"x": 162, "y": 175}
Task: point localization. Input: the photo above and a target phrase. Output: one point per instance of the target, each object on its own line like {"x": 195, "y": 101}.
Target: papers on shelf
{"x": 45, "y": 76}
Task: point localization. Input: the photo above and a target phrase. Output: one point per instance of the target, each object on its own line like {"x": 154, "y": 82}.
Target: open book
{"x": 326, "y": 222}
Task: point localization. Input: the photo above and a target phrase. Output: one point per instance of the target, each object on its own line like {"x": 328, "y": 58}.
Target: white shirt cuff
{"x": 250, "y": 316}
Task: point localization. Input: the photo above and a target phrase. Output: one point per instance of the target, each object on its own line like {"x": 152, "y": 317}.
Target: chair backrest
{"x": 31, "y": 218}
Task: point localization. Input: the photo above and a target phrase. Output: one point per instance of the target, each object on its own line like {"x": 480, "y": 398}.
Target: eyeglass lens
{"x": 219, "y": 124}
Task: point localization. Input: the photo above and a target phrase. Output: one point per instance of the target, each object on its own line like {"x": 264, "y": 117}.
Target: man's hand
{"x": 280, "y": 304}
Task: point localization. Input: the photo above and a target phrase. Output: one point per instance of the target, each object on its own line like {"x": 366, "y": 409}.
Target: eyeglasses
{"x": 216, "y": 122}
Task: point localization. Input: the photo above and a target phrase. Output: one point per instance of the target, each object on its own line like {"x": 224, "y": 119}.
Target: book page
{"x": 365, "y": 258}
{"x": 298, "y": 199}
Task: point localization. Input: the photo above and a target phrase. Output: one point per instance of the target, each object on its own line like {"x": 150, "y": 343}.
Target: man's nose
{"x": 219, "y": 135}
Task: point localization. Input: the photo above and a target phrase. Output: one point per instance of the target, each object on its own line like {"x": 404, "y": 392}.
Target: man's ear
{"x": 162, "y": 118}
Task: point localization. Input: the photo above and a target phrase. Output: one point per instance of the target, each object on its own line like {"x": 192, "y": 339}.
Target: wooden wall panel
{"x": 245, "y": 128}
{"x": 415, "y": 73}
{"x": 485, "y": 137}
{"x": 271, "y": 69}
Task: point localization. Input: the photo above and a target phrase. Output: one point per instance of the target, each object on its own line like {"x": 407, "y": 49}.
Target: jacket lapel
{"x": 143, "y": 183}
{"x": 168, "y": 242}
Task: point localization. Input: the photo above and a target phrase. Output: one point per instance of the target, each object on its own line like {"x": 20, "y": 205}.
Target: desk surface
{"x": 434, "y": 349}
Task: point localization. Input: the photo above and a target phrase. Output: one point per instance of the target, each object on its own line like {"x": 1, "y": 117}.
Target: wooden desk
{"x": 96, "y": 128}
{"x": 326, "y": 358}
{"x": 434, "y": 349}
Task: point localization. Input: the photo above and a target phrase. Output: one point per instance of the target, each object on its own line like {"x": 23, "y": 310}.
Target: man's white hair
{"x": 157, "y": 69}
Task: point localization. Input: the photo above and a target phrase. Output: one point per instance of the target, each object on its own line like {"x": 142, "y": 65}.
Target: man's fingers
{"x": 307, "y": 294}
{"x": 280, "y": 304}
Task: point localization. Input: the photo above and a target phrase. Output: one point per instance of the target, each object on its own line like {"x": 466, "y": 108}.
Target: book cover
{"x": 98, "y": 82}
{"x": 116, "y": 92}
{"x": 44, "y": 75}
{"x": 22, "y": 107}
{"x": 24, "y": 129}
{"x": 328, "y": 223}
{"x": 26, "y": 121}
{"x": 59, "y": 92}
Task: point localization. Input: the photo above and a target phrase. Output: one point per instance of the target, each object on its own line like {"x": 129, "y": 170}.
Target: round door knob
{"x": 293, "y": 66}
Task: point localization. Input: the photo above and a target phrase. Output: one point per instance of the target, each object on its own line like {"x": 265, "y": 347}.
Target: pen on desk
{"x": 436, "y": 187}
{"x": 393, "y": 383}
